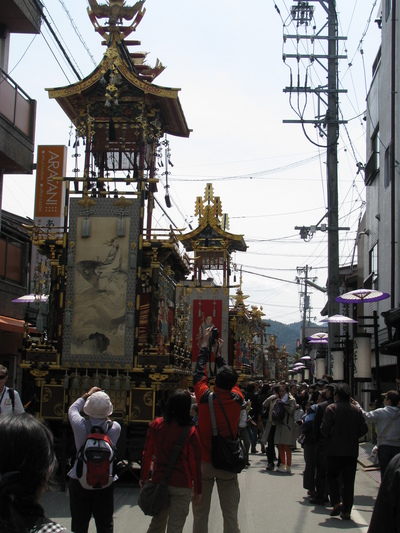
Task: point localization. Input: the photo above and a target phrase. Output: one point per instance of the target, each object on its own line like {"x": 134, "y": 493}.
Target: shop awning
{"x": 14, "y": 325}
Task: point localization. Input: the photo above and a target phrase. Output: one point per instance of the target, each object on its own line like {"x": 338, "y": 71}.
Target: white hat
{"x": 98, "y": 405}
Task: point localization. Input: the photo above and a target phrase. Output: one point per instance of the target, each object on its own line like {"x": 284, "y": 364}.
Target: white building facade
{"x": 379, "y": 235}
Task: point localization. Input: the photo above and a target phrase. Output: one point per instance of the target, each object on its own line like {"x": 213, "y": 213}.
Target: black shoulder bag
{"x": 154, "y": 497}
{"x": 226, "y": 454}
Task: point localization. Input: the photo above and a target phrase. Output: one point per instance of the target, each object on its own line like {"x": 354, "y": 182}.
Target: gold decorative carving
{"x": 148, "y": 398}
{"x": 39, "y": 373}
{"x": 59, "y": 409}
{"x": 122, "y": 202}
{"x": 47, "y": 394}
{"x": 86, "y": 201}
{"x": 135, "y": 412}
{"x": 158, "y": 377}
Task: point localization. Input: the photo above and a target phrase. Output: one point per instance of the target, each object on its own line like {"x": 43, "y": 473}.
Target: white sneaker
{"x": 288, "y": 469}
{"x": 281, "y": 468}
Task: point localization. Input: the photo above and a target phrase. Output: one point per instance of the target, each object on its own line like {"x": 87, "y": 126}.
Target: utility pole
{"x": 328, "y": 126}
{"x": 306, "y": 303}
{"x": 332, "y": 117}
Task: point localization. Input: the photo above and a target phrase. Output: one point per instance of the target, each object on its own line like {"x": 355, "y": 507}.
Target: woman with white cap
{"x": 85, "y": 502}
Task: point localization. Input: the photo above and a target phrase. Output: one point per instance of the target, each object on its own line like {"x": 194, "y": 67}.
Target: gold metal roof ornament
{"x": 211, "y": 243}
{"x": 116, "y": 11}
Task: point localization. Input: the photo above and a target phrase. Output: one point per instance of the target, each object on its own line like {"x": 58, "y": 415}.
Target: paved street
{"x": 271, "y": 502}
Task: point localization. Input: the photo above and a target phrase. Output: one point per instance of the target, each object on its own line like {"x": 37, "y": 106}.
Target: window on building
{"x": 373, "y": 266}
{"x": 372, "y": 167}
{"x": 12, "y": 261}
{"x": 387, "y": 178}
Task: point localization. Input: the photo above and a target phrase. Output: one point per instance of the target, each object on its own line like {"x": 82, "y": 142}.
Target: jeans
{"x": 253, "y": 436}
{"x": 229, "y": 496}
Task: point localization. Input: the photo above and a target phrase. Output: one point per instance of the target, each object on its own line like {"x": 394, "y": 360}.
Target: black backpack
{"x": 278, "y": 412}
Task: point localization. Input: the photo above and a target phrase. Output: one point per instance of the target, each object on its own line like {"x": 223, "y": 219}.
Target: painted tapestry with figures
{"x": 101, "y": 285}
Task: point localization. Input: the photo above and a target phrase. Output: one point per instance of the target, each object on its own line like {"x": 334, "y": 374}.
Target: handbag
{"x": 226, "y": 454}
{"x": 374, "y": 455}
{"x": 154, "y": 497}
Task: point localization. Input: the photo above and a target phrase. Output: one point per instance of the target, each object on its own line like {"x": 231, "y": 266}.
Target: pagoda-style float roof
{"x": 120, "y": 88}
{"x": 209, "y": 233}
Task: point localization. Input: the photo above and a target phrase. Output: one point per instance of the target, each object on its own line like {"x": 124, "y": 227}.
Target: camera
{"x": 214, "y": 335}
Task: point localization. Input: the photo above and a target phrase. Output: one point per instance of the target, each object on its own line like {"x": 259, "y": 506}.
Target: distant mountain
{"x": 287, "y": 334}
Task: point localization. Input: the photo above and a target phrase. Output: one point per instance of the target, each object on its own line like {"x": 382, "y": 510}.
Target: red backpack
{"x": 96, "y": 458}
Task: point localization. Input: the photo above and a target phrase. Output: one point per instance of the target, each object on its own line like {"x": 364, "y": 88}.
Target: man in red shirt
{"x": 232, "y": 399}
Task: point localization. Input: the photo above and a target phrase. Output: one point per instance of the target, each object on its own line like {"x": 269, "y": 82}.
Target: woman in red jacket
{"x": 185, "y": 479}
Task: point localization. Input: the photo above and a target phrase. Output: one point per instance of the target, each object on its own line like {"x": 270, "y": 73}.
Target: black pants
{"x": 346, "y": 467}
{"x": 385, "y": 455}
{"x": 309, "y": 470}
{"x": 84, "y": 503}
{"x": 321, "y": 465}
{"x": 271, "y": 445}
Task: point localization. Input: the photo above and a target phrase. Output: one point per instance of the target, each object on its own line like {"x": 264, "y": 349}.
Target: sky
{"x": 227, "y": 57}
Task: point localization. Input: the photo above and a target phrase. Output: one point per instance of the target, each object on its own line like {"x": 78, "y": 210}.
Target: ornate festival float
{"x": 127, "y": 302}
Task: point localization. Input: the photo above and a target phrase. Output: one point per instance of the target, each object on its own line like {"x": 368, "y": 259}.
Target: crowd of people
{"x": 323, "y": 419}
{"x": 328, "y": 424}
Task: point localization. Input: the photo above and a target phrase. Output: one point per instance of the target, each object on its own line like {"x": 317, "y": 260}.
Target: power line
{"x": 256, "y": 175}
{"x": 269, "y": 277}
{"x": 65, "y": 44}
{"x": 61, "y": 48}
{"x": 77, "y": 32}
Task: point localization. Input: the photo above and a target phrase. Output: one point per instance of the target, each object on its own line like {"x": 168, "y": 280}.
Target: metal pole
{"x": 332, "y": 120}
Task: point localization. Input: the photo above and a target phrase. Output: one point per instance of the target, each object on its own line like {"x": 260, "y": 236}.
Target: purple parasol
{"x": 29, "y": 298}
{"x": 318, "y": 341}
{"x": 361, "y": 295}
{"x": 319, "y": 335}
{"x": 339, "y": 319}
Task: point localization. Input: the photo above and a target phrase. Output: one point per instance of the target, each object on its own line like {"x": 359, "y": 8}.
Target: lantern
{"x": 362, "y": 356}
{"x": 319, "y": 367}
{"x": 337, "y": 365}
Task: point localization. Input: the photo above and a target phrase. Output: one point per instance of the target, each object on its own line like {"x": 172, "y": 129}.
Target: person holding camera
{"x": 87, "y": 501}
{"x": 231, "y": 398}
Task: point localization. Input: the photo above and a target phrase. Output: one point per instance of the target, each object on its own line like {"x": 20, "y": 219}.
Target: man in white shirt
{"x": 10, "y": 402}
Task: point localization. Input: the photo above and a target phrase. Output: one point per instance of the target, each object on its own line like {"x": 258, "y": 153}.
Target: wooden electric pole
{"x": 328, "y": 126}
{"x": 332, "y": 117}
